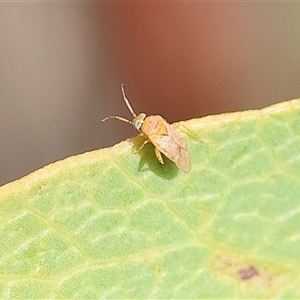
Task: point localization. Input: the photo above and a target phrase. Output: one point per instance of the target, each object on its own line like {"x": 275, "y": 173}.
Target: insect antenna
{"x": 127, "y": 101}
{"x": 118, "y": 118}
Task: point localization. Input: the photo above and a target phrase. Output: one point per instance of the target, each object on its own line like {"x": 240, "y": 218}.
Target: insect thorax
{"x": 154, "y": 125}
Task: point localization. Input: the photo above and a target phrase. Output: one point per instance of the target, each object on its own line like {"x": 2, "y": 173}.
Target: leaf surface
{"x": 115, "y": 223}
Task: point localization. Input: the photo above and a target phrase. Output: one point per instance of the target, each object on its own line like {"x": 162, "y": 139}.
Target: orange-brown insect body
{"x": 154, "y": 125}
{"x": 161, "y": 134}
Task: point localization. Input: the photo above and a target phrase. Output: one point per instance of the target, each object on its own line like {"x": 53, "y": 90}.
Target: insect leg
{"x": 144, "y": 143}
{"x": 158, "y": 155}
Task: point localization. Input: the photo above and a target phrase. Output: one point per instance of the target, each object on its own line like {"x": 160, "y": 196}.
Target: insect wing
{"x": 173, "y": 147}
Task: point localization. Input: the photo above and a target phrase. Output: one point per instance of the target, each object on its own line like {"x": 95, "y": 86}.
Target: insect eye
{"x": 138, "y": 124}
{"x": 138, "y": 121}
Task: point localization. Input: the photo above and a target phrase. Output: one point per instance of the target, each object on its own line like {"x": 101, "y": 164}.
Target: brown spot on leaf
{"x": 159, "y": 270}
{"x": 246, "y": 274}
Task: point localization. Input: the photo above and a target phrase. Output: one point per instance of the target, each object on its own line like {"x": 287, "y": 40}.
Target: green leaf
{"x": 115, "y": 223}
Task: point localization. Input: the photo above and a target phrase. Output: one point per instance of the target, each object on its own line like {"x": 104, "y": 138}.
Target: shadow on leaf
{"x": 148, "y": 160}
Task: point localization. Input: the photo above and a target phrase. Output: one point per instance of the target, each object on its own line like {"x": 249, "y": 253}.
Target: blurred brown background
{"x": 61, "y": 66}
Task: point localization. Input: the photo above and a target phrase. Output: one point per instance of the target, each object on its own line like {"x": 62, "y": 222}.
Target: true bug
{"x": 161, "y": 134}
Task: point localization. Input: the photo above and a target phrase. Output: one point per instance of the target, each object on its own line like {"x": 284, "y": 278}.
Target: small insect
{"x": 161, "y": 134}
